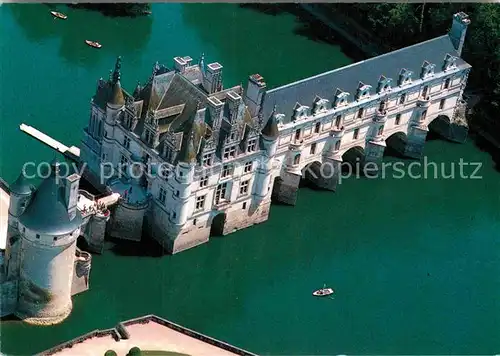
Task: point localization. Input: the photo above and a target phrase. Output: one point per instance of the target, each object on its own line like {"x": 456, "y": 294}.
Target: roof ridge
{"x": 355, "y": 64}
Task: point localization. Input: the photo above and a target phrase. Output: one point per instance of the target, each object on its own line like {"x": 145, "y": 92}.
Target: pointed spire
{"x": 137, "y": 90}
{"x": 202, "y": 62}
{"x": 116, "y": 72}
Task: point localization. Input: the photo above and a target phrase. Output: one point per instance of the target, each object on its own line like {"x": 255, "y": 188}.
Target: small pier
{"x": 72, "y": 152}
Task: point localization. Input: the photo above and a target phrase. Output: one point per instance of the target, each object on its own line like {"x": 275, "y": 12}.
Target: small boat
{"x": 59, "y": 15}
{"x": 323, "y": 292}
{"x": 93, "y": 44}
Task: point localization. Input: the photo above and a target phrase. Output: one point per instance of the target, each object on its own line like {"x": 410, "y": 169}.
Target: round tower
{"x": 184, "y": 175}
{"x": 269, "y": 141}
{"x": 49, "y": 229}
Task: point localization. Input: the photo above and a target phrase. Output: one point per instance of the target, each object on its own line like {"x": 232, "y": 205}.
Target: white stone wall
{"x": 46, "y": 275}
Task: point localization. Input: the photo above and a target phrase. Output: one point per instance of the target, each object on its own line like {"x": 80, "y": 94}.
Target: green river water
{"x": 415, "y": 263}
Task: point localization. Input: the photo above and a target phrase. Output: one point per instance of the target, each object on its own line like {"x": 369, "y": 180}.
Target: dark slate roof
{"x": 21, "y": 185}
{"x": 369, "y": 71}
{"x": 47, "y": 213}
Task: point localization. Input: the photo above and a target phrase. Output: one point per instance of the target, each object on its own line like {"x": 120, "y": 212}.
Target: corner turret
{"x": 21, "y": 192}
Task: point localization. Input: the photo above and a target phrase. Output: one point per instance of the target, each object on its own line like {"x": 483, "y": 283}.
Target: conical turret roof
{"x": 22, "y": 185}
{"x": 48, "y": 213}
{"x": 270, "y": 130}
{"x": 188, "y": 151}
{"x": 117, "y": 95}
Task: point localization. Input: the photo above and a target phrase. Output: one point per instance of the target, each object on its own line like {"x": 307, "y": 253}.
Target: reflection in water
{"x": 118, "y": 36}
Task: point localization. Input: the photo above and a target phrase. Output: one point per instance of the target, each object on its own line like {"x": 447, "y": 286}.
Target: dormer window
{"x": 299, "y": 112}
{"x": 363, "y": 91}
{"x": 404, "y": 77}
{"x": 384, "y": 84}
{"x": 449, "y": 62}
{"x": 319, "y": 105}
{"x": 340, "y": 98}
{"x": 252, "y": 145}
{"x": 427, "y": 70}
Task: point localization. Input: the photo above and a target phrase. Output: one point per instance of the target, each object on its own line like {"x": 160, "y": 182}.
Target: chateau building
{"x": 215, "y": 156}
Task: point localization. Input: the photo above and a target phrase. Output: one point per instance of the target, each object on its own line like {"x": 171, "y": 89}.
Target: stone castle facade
{"x": 228, "y": 151}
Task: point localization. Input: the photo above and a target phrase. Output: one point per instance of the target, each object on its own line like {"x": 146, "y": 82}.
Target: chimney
{"x": 255, "y": 93}
{"x": 212, "y": 81}
{"x": 71, "y": 183}
{"x": 233, "y": 101}
{"x": 180, "y": 64}
{"x": 458, "y": 29}
{"x": 215, "y": 109}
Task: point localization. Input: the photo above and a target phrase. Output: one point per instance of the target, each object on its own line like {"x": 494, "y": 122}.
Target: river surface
{"x": 415, "y": 263}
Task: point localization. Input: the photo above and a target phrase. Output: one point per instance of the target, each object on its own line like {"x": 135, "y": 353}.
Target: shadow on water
{"x": 147, "y": 247}
{"x": 308, "y": 26}
{"x": 485, "y": 146}
{"x": 117, "y": 36}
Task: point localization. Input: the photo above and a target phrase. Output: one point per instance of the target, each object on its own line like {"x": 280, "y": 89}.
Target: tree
{"x": 110, "y": 353}
{"x": 134, "y": 351}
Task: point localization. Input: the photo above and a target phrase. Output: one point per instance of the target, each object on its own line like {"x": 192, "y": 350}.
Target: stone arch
{"x": 353, "y": 155}
{"x": 396, "y": 144}
{"x": 439, "y": 127}
{"x": 218, "y": 223}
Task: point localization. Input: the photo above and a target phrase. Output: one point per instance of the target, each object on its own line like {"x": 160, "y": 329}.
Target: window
{"x": 337, "y": 145}
{"x": 24, "y": 229}
{"x": 317, "y": 127}
{"x": 123, "y": 161}
{"x": 37, "y": 236}
{"x": 297, "y": 134}
{"x": 441, "y": 104}
{"x": 244, "y": 187}
{"x": 176, "y": 193}
{"x": 424, "y": 114}
{"x": 447, "y": 83}
{"x": 161, "y": 195}
{"x": 220, "y": 193}
{"x": 229, "y": 152}
{"x": 204, "y": 181}
{"x": 296, "y": 159}
{"x": 174, "y": 215}
{"x": 248, "y": 167}
{"x": 356, "y": 134}
{"x": 380, "y": 130}
{"x": 398, "y": 119}
{"x": 207, "y": 159}
{"x": 226, "y": 170}
{"x": 55, "y": 238}
{"x": 200, "y": 202}
{"x": 104, "y": 156}
{"x": 147, "y": 136}
{"x": 232, "y": 136}
{"x": 244, "y": 206}
{"x": 381, "y": 106}
{"x": 252, "y": 145}
{"x": 360, "y": 113}
{"x": 424, "y": 91}
{"x": 338, "y": 120}
{"x": 313, "y": 148}
{"x": 402, "y": 98}
{"x": 194, "y": 222}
